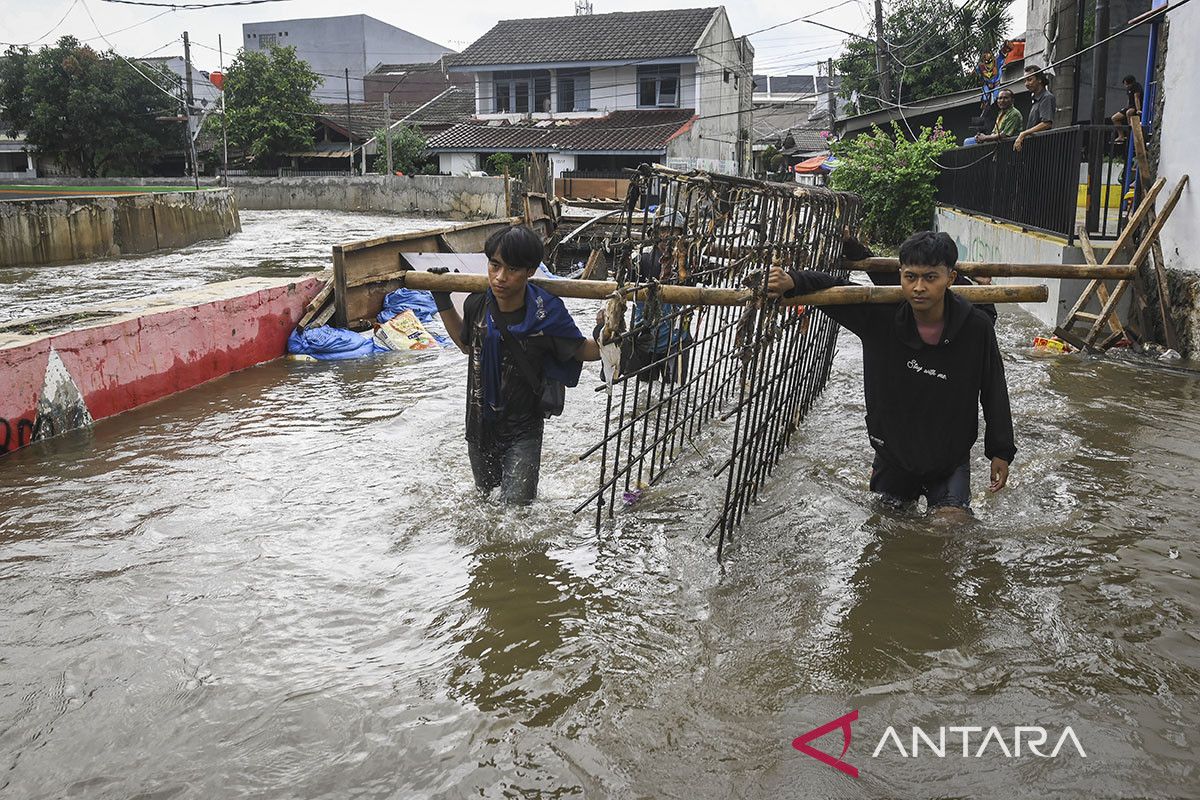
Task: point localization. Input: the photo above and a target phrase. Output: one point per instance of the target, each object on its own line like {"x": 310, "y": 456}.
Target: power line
{"x": 56, "y": 26}
{"x": 194, "y": 6}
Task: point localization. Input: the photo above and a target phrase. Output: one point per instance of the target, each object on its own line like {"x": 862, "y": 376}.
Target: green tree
{"x": 92, "y": 112}
{"x": 269, "y": 108}
{"x": 894, "y": 176}
{"x": 941, "y": 42}
{"x": 409, "y": 154}
{"x": 498, "y": 161}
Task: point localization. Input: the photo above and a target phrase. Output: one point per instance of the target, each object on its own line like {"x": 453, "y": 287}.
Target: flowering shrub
{"x": 895, "y": 177}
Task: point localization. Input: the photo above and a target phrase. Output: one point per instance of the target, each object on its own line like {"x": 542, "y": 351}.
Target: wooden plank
{"x": 1089, "y": 253}
{"x": 316, "y": 304}
{"x": 1156, "y": 255}
{"x": 1139, "y": 255}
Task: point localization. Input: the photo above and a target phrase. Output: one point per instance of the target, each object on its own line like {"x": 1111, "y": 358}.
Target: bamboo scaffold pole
{"x": 714, "y": 296}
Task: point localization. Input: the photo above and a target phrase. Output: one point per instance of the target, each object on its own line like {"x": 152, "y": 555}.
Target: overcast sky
{"x": 136, "y": 31}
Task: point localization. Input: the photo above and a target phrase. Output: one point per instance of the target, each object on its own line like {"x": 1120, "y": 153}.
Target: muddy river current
{"x": 282, "y": 584}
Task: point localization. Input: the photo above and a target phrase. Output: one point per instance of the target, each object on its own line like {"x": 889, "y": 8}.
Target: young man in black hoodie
{"x": 928, "y": 364}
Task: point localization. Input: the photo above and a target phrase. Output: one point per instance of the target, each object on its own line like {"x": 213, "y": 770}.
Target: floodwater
{"x": 271, "y": 244}
{"x": 282, "y": 585}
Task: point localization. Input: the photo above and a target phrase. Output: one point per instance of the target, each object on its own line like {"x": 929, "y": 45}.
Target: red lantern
{"x": 218, "y": 80}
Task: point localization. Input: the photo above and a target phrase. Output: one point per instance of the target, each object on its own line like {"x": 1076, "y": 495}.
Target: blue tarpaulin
{"x": 418, "y": 301}
{"x": 332, "y": 344}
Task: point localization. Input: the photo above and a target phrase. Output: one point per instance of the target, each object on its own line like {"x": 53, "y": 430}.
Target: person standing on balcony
{"x": 1041, "y": 114}
{"x": 1133, "y": 106}
{"x": 1008, "y": 123}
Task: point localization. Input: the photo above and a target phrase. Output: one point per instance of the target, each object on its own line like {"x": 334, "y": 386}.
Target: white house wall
{"x": 714, "y": 135}
{"x": 457, "y": 163}
{"x": 1178, "y": 128}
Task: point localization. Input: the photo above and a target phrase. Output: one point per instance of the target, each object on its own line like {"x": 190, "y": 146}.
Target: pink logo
{"x": 801, "y": 743}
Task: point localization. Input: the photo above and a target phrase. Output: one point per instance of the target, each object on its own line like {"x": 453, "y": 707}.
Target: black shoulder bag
{"x": 552, "y": 395}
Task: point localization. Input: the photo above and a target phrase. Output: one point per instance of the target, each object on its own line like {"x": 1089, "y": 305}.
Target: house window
{"x": 266, "y": 40}
{"x": 574, "y": 89}
{"x": 658, "y": 86}
{"x": 521, "y": 91}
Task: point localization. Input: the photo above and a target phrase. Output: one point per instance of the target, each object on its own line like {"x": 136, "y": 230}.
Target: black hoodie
{"x": 923, "y": 400}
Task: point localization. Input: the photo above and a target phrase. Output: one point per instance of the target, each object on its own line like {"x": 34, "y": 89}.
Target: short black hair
{"x": 517, "y": 245}
{"x": 929, "y": 249}
{"x": 1037, "y": 72}
{"x": 1129, "y": 79}
{"x": 1003, "y": 91}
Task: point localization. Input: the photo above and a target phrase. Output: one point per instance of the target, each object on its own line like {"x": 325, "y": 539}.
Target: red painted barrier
{"x": 173, "y": 342}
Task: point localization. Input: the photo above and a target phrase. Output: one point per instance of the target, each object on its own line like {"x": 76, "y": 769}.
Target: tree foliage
{"x": 895, "y": 177}
{"x": 947, "y": 37}
{"x": 409, "y": 153}
{"x": 517, "y": 167}
{"x": 92, "y": 112}
{"x": 269, "y": 110}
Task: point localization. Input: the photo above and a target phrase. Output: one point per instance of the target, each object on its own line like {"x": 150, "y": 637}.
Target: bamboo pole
{"x": 1121, "y": 272}
{"x": 696, "y": 295}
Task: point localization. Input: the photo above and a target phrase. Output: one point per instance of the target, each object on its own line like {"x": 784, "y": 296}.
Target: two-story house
{"x": 606, "y": 91}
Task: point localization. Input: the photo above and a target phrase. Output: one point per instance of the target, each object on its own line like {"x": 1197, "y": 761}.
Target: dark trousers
{"x": 898, "y": 487}
{"x": 513, "y": 466}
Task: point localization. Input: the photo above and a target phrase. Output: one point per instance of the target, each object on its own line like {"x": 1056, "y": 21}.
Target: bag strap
{"x": 520, "y": 357}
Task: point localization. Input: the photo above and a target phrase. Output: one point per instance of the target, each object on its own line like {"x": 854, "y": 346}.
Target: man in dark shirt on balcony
{"x": 1133, "y": 107}
{"x": 1041, "y": 114}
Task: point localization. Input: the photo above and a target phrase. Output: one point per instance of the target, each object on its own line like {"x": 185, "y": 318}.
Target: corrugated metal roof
{"x": 589, "y": 37}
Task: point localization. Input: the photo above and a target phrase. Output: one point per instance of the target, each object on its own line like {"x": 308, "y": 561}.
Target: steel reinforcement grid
{"x": 756, "y": 368}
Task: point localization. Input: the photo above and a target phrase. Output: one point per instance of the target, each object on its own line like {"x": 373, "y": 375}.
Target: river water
{"x": 271, "y": 244}
{"x": 282, "y": 585}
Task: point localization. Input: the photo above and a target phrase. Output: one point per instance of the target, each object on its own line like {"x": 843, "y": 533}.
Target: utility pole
{"x": 881, "y": 59}
{"x": 1100, "y": 64}
{"x": 832, "y": 98}
{"x": 224, "y": 139}
{"x": 349, "y": 135}
{"x": 387, "y": 129}
{"x": 189, "y": 104}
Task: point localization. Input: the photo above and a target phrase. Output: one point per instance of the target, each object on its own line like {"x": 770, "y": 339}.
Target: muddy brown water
{"x": 271, "y": 244}
{"x": 281, "y": 584}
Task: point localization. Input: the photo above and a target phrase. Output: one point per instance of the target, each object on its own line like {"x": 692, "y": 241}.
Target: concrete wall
{"x": 1179, "y": 156}
{"x": 59, "y": 231}
{"x": 979, "y": 239}
{"x": 439, "y": 195}
{"x": 724, "y": 99}
{"x": 331, "y": 44}
{"x": 127, "y": 356}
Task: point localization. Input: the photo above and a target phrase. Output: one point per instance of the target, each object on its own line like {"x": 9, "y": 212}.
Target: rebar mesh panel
{"x": 756, "y": 367}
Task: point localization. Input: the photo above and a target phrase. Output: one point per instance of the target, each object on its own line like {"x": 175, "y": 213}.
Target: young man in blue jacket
{"x": 928, "y": 365}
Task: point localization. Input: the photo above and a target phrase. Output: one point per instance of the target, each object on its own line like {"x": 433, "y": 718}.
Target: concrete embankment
{"x": 444, "y": 196}
{"x": 59, "y": 373}
{"x": 79, "y": 228}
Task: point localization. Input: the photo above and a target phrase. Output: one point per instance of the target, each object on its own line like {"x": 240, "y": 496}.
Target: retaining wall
{"x": 103, "y": 359}
{"x": 445, "y": 196}
{"x": 70, "y": 229}
{"x": 438, "y": 195}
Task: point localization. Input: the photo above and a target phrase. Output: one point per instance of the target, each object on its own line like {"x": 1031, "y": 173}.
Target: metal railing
{"x": 1059, "y": 180}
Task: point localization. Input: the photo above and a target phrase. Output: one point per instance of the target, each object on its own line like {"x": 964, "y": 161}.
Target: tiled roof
{"x": 365, "y": 118}
{"x": 451, "y": 107}
{"x": 635, "y": 131}
{"x": 589, "y": 37}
